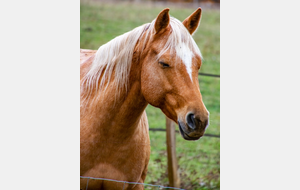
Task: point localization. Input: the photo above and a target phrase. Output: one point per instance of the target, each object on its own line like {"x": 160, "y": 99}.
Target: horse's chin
{"x": 185, "y": 135}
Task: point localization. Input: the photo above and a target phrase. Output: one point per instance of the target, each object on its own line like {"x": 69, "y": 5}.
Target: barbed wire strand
{"x": 164, "y": 130}
{"x": 144, "y": 184}
{"x": 209, "y": 75}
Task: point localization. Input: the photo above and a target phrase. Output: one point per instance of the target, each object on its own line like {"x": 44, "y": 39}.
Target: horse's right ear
{"x": 162, "y": 20}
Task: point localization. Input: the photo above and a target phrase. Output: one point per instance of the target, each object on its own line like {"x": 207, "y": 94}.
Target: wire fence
{"x": 145, "y": 184}
{"x": 126, "y": 182}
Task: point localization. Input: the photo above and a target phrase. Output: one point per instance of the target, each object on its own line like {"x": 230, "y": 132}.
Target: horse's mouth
{"x": 185, "y": 135}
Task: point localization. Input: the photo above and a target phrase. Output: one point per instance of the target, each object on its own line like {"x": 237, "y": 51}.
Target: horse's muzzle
{"x": 193, "y": 128}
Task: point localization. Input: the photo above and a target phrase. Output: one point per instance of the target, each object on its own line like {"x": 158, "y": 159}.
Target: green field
{"x": 199, "y": 161}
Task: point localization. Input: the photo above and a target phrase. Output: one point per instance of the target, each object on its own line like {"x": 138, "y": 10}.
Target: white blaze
{"x": 186, "y": 56}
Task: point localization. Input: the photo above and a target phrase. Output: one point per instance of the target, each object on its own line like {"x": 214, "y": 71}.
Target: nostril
{"x": 190, "y": 118}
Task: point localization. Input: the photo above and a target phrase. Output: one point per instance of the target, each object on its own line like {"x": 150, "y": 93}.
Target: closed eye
{"x": 164, "y": 65}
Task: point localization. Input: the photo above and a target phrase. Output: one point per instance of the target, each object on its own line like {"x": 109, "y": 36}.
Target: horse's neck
{"x": 118, "y": 117}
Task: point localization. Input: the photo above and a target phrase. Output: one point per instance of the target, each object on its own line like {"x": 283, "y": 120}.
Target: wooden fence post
{"x": 174, "y": 180}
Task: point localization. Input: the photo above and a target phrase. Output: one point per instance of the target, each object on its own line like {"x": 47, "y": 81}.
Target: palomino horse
{"x": 156, "y": 63}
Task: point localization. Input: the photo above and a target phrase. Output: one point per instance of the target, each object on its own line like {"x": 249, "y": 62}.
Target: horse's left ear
{"x": 192, "y": 22}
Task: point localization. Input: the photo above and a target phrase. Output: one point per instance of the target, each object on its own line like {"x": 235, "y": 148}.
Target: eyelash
{"x": 165, "y": 65}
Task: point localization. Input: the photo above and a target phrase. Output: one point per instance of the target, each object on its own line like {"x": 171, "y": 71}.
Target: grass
{"x": 199, "y": 161}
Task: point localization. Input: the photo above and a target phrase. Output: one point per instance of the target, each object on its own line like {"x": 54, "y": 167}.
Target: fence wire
{"x": 210, "y": 75}
{"x": 164, "y": 130}
{"x": 126, "y": 182}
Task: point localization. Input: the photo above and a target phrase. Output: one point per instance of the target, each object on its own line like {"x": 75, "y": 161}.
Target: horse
{"x": 157, "y": 64}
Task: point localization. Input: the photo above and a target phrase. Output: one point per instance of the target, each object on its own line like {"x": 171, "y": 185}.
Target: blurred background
{"x": 198, "y": 161}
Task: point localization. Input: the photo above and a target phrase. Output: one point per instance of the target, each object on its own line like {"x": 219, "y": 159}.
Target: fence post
{"x": 174, "y": 180}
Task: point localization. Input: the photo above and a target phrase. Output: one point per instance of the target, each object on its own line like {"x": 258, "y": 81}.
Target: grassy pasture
{"x": 199, "y": 161}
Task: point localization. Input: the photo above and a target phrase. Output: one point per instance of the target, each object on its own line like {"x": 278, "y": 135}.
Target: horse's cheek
{"x": 151, "y": 88}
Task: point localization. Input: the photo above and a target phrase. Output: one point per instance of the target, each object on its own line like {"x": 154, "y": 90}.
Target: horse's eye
{"x": 165, "y": 65}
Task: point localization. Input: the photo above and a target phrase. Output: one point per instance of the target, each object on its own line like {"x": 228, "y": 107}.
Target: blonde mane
{"x": 115, "y": 57}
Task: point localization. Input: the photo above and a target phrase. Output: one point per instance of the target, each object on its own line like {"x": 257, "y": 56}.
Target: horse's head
{"x": 169, "y": 77}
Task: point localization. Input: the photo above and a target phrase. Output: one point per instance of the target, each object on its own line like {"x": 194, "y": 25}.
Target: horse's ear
{"x": 192, "y": 22}
{"x": 162, "y": 20}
